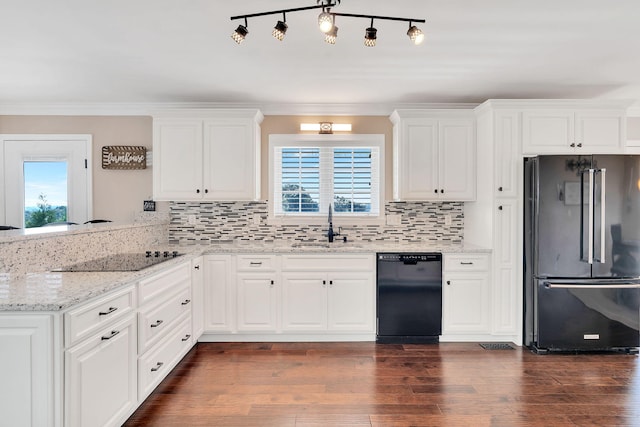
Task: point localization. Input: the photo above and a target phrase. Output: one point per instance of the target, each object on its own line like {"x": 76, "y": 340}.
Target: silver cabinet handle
{"x": 603, "y": 229}
{"x": 186, "y": 337}
{"x": 111, "y": 335}
{"x": 109, "y": 311}
{"x": 185, "y": 302}
{"x": 591, "y": 214}
{"x": 158, "y": 323}
{"x": 583, "y": 286}
{"x": 158, "y": 366}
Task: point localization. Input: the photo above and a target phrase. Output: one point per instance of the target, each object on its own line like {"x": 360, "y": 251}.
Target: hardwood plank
{"x": 367, "y": 384}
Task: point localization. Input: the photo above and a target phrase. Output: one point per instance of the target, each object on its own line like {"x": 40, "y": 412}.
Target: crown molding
{"x": 150, "y": 109}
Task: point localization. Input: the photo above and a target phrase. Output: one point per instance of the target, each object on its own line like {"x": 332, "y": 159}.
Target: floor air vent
{"x": 496, "y": 346}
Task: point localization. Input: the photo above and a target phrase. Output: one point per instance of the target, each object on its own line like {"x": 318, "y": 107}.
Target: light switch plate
{"x": 192, "y": 219}
{"x": 257, "y": 219}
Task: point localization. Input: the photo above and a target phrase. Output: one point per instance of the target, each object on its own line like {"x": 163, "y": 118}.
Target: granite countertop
{"x": 56, "y": 291}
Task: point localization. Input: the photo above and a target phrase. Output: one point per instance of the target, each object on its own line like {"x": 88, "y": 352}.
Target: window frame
{"x": 333, "y": 141}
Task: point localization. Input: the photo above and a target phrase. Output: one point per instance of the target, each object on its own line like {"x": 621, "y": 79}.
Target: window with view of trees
{"x": 309, "y": 175}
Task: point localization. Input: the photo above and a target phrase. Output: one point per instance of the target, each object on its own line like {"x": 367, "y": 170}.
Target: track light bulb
{"x": 279, "y": 30}
{"x": 416, "y": 35}
{"x": 239, "y": 34}
{"x": 370, "y": 36}
{"x": 325, "y": 22}
{"x": 332, "y": 35}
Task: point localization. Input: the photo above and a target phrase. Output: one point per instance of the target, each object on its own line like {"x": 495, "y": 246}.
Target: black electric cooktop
{"x": 122, "y": 262}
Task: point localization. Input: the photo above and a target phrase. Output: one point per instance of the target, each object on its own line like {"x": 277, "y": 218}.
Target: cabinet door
{"x": 600, "y": 131}
{"x": 548, "y": 132}
{"x": 219, "y": 306}
{"x": 230, "y": 152}
{"x": 457, "y": 161}
{"x": 257, "y": 302}
{"x": 507, "y": 144}
{"x": 418, "y": 166}
{"x": 506, "y": 255}
{"x": 100, "y": 377}
{"x": 304, "y": 301}
{"x": 351, "y": 302}
{"x": 26, "y": 370}
{"x": 465, "y": 299}
{"x": 197, "y": 297}
{"x": 177, "y": 159}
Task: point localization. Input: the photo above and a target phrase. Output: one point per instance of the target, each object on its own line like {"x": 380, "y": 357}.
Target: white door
{"x": 219, "y": 299}
{"x": 257, "y": 302}
{"x": 304, "y": 301}
{"x": 465, "y": 300}
{"x": 600, "y": 131}
{"x": 45, "y": 172}
{"x": 351, "y": 302}
{"x": 418, "y": 168}
{"x": 177, "y": 159}
{"x": 548, "y": 132}
{"x": 457, "y": 160}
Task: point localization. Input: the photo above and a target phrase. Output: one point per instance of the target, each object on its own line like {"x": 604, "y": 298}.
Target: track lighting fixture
{"x": 280, "y": 29}
{"x": 370, "y": 36}
{"x": 415, "y": 34}
{"x": 332, "y": 35}
{"x": 326, "y": 22}
{"x": 240, "y": 33}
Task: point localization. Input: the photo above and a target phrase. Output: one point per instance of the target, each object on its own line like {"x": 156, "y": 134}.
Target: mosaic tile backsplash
{"x": 231, "y": 221}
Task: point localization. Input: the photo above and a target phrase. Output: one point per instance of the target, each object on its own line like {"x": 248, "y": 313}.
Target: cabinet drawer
{"x": 315, "y": 262}
{"x": 158, "y": 362}
{"x": 86, "y": 319}
{"x": 165, "y": 282}
{"x": 466, "y": 262}
{"x": 256, "y": 263}
{"x": 154, "y": 320}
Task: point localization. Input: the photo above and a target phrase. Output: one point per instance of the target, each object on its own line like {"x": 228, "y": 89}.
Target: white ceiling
{"x": 180, "y": 51}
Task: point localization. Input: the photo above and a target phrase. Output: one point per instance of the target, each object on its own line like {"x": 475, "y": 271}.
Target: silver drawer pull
{"x": 465, "y": 263}
{"x": 158, "y": 366}
{"x": 185, "y": 302}
{"x": 255, "y": 263}
{"x": 111, "y": 335}
{"x": 111, "y": 310}
{"x": 186, "y": 337}
{"x": 158, "y": 323}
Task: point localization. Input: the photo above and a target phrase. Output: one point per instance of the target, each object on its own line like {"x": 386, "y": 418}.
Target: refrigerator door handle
{"x": 603, "y": 204}
{"x": 591, "y": 208}
{"x": 599, "y": 286}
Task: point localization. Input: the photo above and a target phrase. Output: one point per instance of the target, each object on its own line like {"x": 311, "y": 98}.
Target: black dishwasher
{"x": 409, "y": 303}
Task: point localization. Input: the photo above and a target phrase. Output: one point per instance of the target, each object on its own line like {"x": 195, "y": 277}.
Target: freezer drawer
{"x": 587, "y": 315}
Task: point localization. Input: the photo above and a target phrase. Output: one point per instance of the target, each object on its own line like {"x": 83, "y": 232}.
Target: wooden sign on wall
{"x": 124, "y": 157}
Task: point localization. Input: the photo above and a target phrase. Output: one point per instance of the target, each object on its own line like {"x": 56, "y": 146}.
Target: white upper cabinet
{"x": 434, "y": 157}
{"x": 506, "y": 153}
{"x": 211, "y": 156}
{"x": 563, "y": 131}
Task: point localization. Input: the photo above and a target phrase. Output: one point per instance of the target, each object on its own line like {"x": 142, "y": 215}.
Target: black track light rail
{"x": 277, "y": 12}
{"x": 386, "y": 18}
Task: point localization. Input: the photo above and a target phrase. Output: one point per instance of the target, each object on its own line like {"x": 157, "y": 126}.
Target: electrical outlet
{"x": 447, "y": 219}
{"x": 192, "y": 219}
{"x": 394, "y": 220}
{"x": 257, "y": 219}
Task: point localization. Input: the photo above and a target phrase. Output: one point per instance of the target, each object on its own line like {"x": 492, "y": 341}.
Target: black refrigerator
{"x": 582, "y": 253}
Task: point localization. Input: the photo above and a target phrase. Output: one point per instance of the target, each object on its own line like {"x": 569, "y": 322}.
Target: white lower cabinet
{"x": 27, "y": 370}
{"x": 155, "y": 364}
{"x": 317, "y": 301}
{"x": 257, "y": 302}
{"x": 100, "y": 377}
{"x": 219, "y": 294}
{"x": 466, "y": 296}
{"x": 197, "y": 292}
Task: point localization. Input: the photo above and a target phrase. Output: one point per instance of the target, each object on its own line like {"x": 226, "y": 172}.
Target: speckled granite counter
{"x": 55, "y": 291}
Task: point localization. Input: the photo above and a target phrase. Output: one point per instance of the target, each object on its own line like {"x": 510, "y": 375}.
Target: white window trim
{"x": 347, "y": 140}
{"x": 86, "y": 138}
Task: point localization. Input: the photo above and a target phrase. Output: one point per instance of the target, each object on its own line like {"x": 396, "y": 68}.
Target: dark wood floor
{"x": 364, "y": 384}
